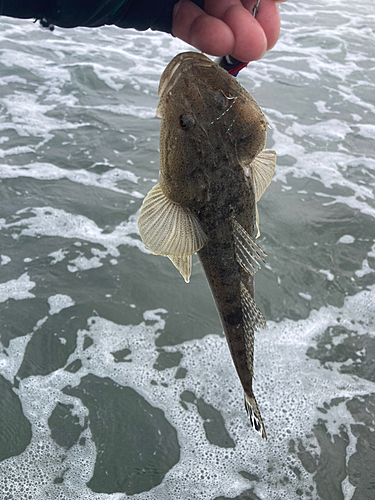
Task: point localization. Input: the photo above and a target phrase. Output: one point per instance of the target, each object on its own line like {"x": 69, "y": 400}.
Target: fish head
{"x": 207, "y": 118}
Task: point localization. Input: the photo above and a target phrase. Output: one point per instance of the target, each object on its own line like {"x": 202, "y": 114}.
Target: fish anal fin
{"x": 167, "y": 228}
{"x": 262, "y": 170}
{"x": 253, "y": 318}
{"x": 248, "y": 254}
{"x": 183, "y": 264}
{"x": 254, "y": 415}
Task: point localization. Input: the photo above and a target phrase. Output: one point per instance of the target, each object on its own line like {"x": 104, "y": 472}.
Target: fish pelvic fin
{"x": 257, "y": 221}
{"x": 183, "y": 264}
{"x": 169, "y": 229}
{"x": 254, "y": 415}
{"x": 248, "y": 254}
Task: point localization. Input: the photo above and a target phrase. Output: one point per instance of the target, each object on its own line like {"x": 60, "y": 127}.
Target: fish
{"x": 213, "y": 171}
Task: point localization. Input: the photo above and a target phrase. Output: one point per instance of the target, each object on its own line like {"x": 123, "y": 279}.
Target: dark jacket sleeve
{"x": 138, "y": 14}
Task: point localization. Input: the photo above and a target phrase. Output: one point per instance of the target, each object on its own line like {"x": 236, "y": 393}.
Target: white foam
{"x": 351, "y": 201}
{"x": 58, "y": 256}
{"x": 321, "y": 106}
{"x": 129, "y": 109}
{"x": 28, "y": 117}
{"x": 329, "y": 130}
{"x": 49, "y": 221}
{"x": 54, "y": 75}
{"x": 347, "y": 239}
{"x": 366, "y": 269}
{"x": 59, "y": 302}
{"x": 17, "y": 289}
{"x": 11, "y": 357}
{"x": 366, "y": 130}
{"x": 327, "y": 272}
{"x": 6, "y": 80}
{"x": 4, "y": 259}
{"x": 329, "y": 168}
{"x": 47, "y": 171}
{"x": 84, "y": 264}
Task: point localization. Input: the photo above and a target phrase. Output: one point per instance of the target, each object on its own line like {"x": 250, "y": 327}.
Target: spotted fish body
{"x": 213, "y": 171}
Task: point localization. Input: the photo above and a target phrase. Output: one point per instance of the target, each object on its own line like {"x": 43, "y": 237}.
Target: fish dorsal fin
{"x": 248, "y": 253}
{"x": 169, "y": 229}
{"x": 263, "y": 168}
{"x": 252, "y": 317}
{"x": 183, "y": 264}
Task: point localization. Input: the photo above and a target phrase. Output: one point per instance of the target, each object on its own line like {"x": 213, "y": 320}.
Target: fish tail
{"x": 254, "y": 415}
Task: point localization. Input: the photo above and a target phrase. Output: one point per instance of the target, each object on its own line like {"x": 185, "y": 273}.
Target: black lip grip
{"x": 232, "y": 65}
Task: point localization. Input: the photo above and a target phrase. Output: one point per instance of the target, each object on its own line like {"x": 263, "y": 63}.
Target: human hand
{"x": 227, "y": 27}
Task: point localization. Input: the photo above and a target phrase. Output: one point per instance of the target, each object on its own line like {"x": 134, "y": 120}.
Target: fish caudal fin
{"x": 168, "y": 229}
{"x": 254, "y": 415}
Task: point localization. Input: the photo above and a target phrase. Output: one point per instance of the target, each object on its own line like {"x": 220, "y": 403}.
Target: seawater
{"x": 115, "y": 377}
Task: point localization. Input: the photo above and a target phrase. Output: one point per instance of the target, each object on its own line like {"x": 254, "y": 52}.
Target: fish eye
{"x": 187, "y": 121}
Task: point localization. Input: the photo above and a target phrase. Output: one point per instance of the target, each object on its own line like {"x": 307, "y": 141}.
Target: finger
{"x": 228, "y": 27}
{"x": 250, "y": 40}
{"x": 206, "y": 33}
{"x": 218, "y": 8}
{"x": 268, "y": 17}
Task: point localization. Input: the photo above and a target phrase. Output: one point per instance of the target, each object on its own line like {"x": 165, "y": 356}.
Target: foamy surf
{"x": 294, "y": 407}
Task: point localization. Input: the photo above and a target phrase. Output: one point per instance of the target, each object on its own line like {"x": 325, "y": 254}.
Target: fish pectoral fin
{"x": 262, "y": 169}
{"x": 253, "y": 318}
{"x": 254, "y": 415}
{"x": 248, "y": 253}
{"x": 167, "y": 228}
{"x": 183, "y": 264}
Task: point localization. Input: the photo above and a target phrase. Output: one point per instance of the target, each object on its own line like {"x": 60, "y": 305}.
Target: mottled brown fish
{"x": 213, "y": 171}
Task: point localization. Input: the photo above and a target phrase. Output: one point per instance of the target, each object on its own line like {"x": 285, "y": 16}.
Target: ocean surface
{"x": 115, "y": 377}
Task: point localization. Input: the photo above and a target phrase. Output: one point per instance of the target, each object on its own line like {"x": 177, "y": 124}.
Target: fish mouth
{"x": 179, "y": 65}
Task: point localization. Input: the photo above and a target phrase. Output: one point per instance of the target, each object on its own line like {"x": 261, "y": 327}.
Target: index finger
{"x": 207, "y": 33}
{"x": 250, "y": 34}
